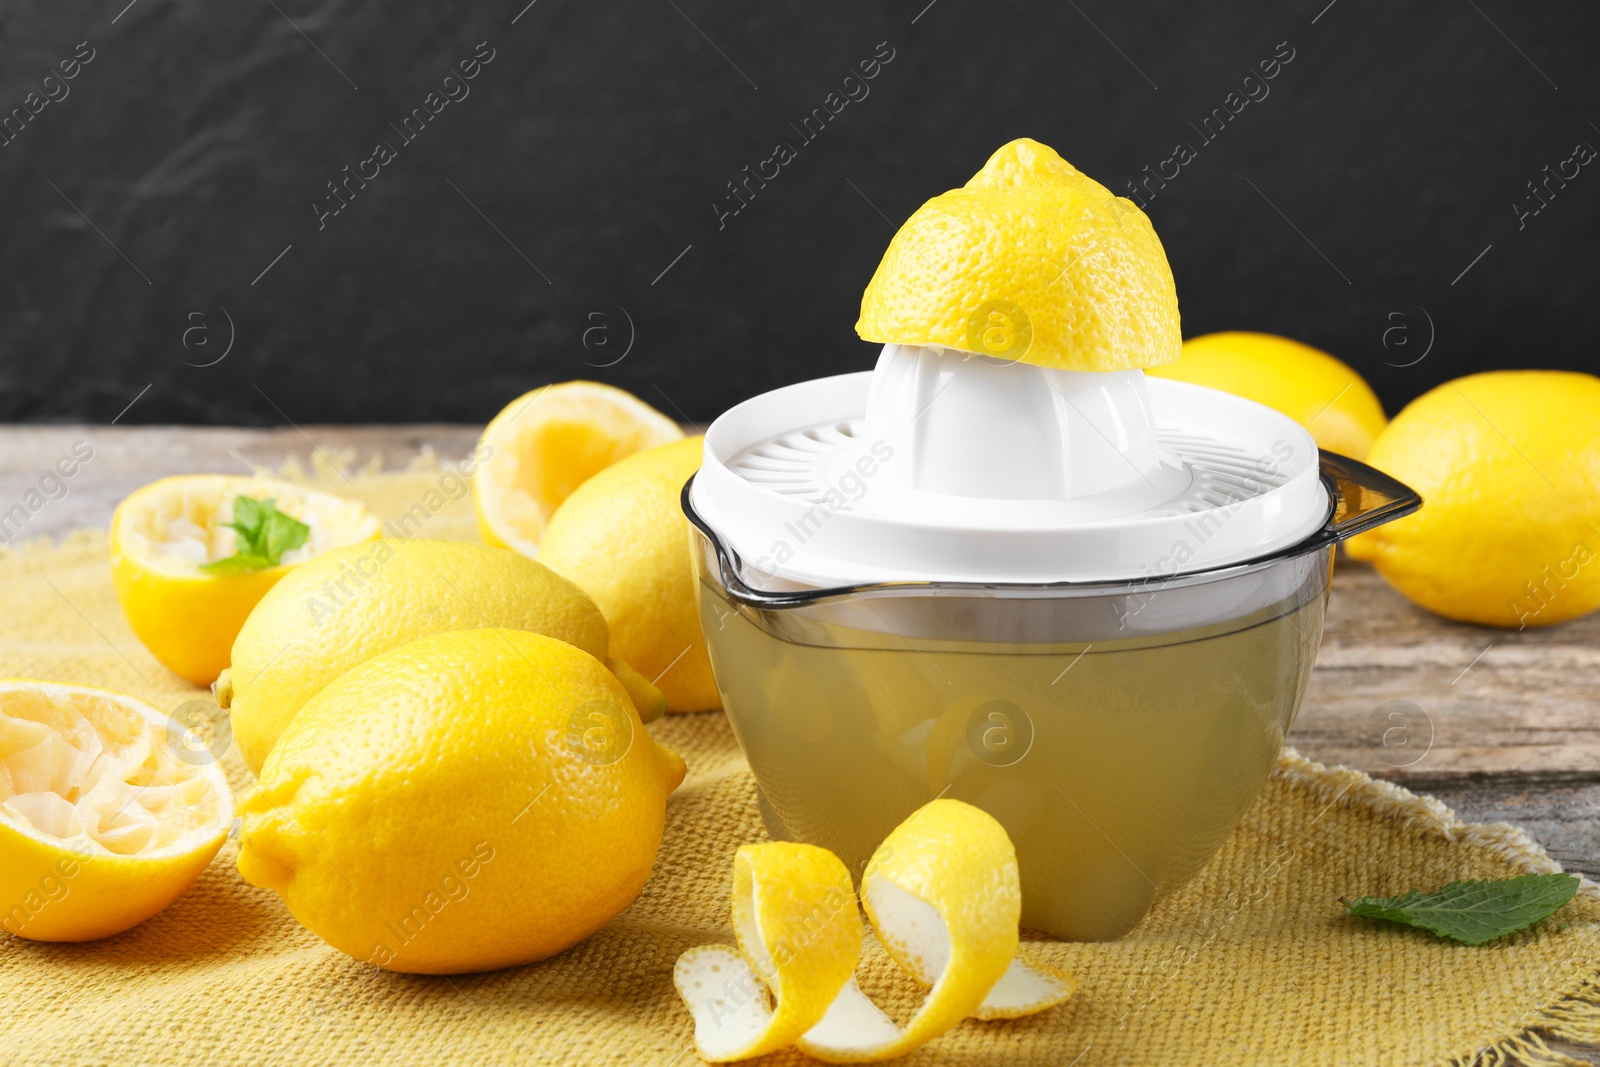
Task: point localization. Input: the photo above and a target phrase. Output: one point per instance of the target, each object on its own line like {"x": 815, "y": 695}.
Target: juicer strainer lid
{"x": 793, "y": 482}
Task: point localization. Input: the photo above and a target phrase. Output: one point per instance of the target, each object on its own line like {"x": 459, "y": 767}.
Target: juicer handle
{"x": 1363, "y": 497}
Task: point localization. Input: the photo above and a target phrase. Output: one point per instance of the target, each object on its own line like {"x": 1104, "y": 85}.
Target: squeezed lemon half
{"x": 943, "y": 898}
{"x": 163, "y": 534}
{"x": 102, "y": 823}
{"x": 545, "y": 444}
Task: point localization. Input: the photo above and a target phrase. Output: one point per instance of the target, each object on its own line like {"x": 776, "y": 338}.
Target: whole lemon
{"x": 474, "y": 799}
{"x": 1508, "y": 465}
{"x": 623, "y": 538}
{"x": 1321, "y": 393}
{"x": 346, "y": 606}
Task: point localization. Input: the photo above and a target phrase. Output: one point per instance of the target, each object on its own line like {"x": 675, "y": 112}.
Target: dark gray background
{"x": 591, "y": 150}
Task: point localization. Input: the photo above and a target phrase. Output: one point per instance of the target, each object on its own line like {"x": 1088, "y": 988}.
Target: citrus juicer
{"x": 1085, "y": 601}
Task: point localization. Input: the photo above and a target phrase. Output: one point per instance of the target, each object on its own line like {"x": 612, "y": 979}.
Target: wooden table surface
{"x": 1501, "y": 725}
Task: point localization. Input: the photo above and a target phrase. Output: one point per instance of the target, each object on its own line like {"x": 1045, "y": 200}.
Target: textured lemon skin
{"x": 104, "y": 894}
{"x": 623, "y": 538}
{"x": 958, "y": 857}
{"x": 348, "y": 605}
{"x": 557, "y": 437}
{"x": 807, "y": 907}
{"x": 1320, "y": 392}
{"x": 188, "y": 621}
{"x": 1508, "y": 465}
{"x": 799, "y": 934}
{"x": 427, "y": 812}
{"x": 51, "y": 892}
{"x": 1083, "y": 265}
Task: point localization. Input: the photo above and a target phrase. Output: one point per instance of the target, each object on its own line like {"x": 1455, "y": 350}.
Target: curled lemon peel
{"x": 943, "y": 898}
{"x": 799, "y": 935}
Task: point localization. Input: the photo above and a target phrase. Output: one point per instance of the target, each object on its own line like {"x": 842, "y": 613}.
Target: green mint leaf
{"x": 247, "y": 514}
{"x": 262, "y": 534}
{"x": 280, "y": 533}
{"x": 1473, "y": 912}
{"x": 237, "y": 564}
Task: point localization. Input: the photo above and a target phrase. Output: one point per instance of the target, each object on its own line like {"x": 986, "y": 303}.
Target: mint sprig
{"x": 262, "y": 534}
{"x": 1473, "y": 912}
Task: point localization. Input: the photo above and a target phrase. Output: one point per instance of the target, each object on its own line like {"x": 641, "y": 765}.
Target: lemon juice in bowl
{"x": 1004, "y": 567}
{"x": 1116, "y": 766}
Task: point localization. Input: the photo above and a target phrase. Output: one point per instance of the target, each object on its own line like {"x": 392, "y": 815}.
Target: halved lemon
{"x": 545, "y": 444}
{"x": 103, "y": 819}
{"x": 162, "y": 534}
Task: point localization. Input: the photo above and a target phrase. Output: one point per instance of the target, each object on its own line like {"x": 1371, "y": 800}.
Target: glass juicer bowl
{"x": 1117, "y": 724}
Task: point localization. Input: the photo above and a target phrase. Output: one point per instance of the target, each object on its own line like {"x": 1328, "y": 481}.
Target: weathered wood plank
{"x": 1481, "y": 701}
{"x": 126, "y": 457}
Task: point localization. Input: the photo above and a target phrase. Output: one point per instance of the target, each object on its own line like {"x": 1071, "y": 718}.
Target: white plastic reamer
{"x": 941, "y": 465}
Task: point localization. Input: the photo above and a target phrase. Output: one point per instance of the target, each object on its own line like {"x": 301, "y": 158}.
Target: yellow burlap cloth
{"x": 1253, "y": 962}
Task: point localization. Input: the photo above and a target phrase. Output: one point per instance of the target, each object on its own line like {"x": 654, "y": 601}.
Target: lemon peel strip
{"x": 1026, "y": 987}
{"x": 916, "y": 935}
{"x": 943, "y": 898}
{"x": 799, "y": 934}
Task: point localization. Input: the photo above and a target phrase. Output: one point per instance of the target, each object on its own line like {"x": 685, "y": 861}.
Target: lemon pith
{"x": 160, "y": 534}
{"x": 353, "y": 603}
{"x": 545, "y": 444}
{"x": 1031, "y": 248}
{"x": 622, "y": 537}
{"x": 102, "y": 824}
{"x": 471, "y": 800}
{"x": 1508, "y": 465}
{"x": 1320, "y": 392}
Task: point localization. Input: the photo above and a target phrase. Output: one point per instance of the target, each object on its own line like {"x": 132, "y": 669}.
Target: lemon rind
{"x": 941, "y": 897}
